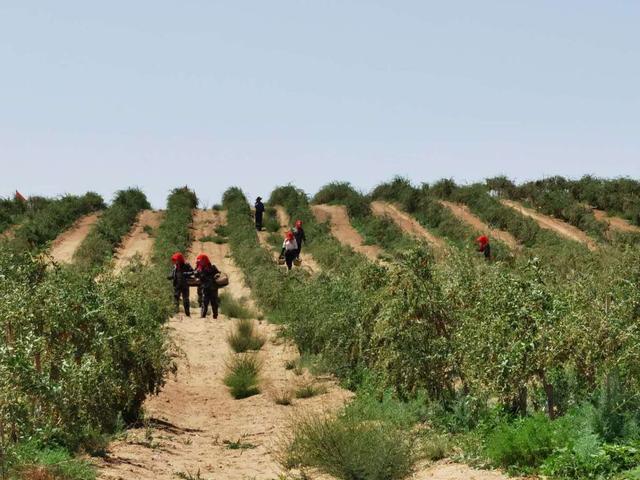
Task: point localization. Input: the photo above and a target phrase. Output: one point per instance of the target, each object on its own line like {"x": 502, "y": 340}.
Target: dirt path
{"x": 463, "y": 213}
{"x": 406, "y": 222}
{"x": 615, "y": 223}
{"x": 192, "y": 421}
{"x": 550, "y": 223}
{"x": 342, "y": 229}
{"x": 63, "y": 247}
{"x": 455, "y": 471}
{"x": 138, "y": 242}
{"x": 285, "y": 223}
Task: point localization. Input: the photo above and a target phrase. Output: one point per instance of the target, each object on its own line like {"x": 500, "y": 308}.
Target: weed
{"x": 238, "y": 445}
{"x": 213, "y": 238}
{"x": 309, "y": 389}
{"x": 234, "y": 308}
{"x": 187, "y": 475}
{"x": 283, "y": 397}
{"x": 148, "y": 229}
{"x": 244, "y": 337}
{"x": 242, "y": 376}
{"x": 349, "y": 450}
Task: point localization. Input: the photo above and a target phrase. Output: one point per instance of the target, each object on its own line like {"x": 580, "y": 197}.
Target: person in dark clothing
{"x": 180, "y": 275}
{"x": 484, "y": 246}
{"x": 289, "y": 249}
{"x": 259, "y": 213}
{"x": 298, "y": 232}
{"x": 207, "y": 272}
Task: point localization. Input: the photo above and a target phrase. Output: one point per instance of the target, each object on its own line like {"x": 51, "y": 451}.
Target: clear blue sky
{"x": 103, "y": 95}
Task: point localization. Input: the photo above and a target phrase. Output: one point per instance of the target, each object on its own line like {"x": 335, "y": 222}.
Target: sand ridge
{"x": 550, "y": 223}
{"x": 66, "y": 244}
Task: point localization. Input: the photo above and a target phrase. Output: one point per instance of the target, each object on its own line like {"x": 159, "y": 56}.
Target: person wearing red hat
{"x": 484, "y": 246}
{"x": 180, "y": 275}
{"x": 289, "y": 249}
{"x": 208, "y": 289}
{"x": 298, "y": 232}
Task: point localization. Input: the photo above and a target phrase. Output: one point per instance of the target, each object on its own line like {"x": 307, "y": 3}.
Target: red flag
{"x": 20, "y": 197}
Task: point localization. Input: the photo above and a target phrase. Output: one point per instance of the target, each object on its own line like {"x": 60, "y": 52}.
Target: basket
{"x": 221, "y": 279}
{"x": 193, "y": 282}
{"x": 281, "y": 261}
{"x": 297, "y": 262}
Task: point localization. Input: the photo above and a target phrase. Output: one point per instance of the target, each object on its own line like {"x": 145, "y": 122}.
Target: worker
{"x": 259, "y": 212}
{"x": 484, "y": 246}
{"x": 206, "y": 272}
{"x": 298, "y": 233}
{"x": 180, "y": 275}
{"x": 289, "y": 249}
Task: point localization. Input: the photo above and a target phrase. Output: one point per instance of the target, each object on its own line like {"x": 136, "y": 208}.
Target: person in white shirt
{"x": 289, "y": 249}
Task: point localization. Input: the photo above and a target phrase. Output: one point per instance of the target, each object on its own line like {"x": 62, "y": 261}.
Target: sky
{"x": 156, "y": 94}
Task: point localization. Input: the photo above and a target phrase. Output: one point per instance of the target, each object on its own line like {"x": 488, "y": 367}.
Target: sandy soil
{"x": 463, "y": 213}
{"x": 138, "y": 242}
{"x": 63, "y": 247}
{"x": 550, "y": 223}
{"x": 615, "y": 223}
{"x": 455, "y": 471}
{"x": 342, "y": 229}
{"x": 192, "y": 420}
{"x": 406, "y": 222}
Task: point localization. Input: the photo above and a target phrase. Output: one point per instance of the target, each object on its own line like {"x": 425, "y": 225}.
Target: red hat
{"x": 177, "y": 258}
{"x": 482, "y": 239}
{"x": 298, "y": 223}
{"x": 289, "y": 235}
{"x": 202, "y": 261}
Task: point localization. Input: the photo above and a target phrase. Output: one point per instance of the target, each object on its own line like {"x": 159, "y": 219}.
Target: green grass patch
{"x": 243, "y": 376}
{"x": 235, "y": 308}
{"x": 244, "y": 337}
{"x": 214, "y": 238}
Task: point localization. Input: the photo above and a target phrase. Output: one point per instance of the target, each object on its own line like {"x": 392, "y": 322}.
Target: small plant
{"x": 234, "y": 308}
{"x": 148, "y": 229}
{"x": 189, "y": 476}
{"x": 217, "y": 207}
{"x": 213, "y": 238}
{"x": 290, "y": 364}
{"x": 222, "y": 230}
{"x": 283, "y": 397}
{"x": 238, "y": 445}
{"x": 348, "y": 449}
{"x": 309, "y": 389}
{"x": 242, "y": 378}
{"x": 435, "y": 447}
{"x": 244, "y": 338}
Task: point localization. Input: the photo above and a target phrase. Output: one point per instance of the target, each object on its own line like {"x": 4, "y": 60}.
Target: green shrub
{"x": 526, "y": 443}
{"x": 242, "y": 377}
{"x": 343, "y": 193}
{"x": 173, "y": 234}
{"x": 349, "y": 450}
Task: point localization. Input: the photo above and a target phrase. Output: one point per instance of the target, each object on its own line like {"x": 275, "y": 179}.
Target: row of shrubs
{"x": 39, "y": 225}
{"x": 80, "y": 352}
{"x": 107, "y": 233}
{"x": 465, "y": 334}
{"x": 12, "y": 209}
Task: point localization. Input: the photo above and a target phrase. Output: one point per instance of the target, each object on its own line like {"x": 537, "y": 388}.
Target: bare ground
{"x": 463, "y": 213}
{"x": 550, "y": 223}
{"x": 138, "y": 242}
{"x": 342, "y": 229}
{"x": 406, "y": 222}
{"x": 615, "y": 223}
{"x": 63, "y": 247}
